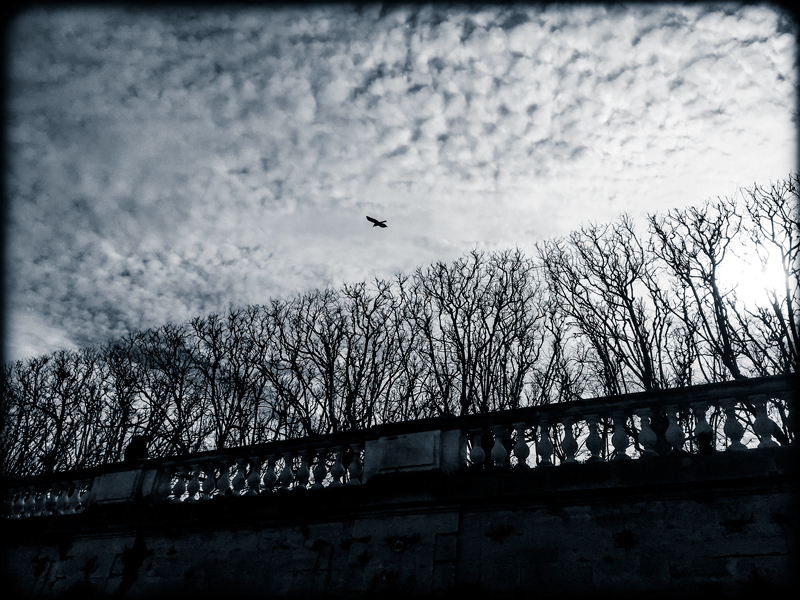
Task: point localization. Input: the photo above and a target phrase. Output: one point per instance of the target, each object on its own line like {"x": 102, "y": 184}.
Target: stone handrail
{"x": 582, "y": 431}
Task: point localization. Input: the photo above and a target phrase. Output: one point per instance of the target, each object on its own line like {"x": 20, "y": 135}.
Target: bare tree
{"x": 481, "y": 329}
{"x": 372, "y": 353}
{"x": 25, "y": 427}
{"x": 124, "y": 416}
{"x": 560, "y": 376}
{"x": 409, "y": 397}
{"x": 606, "y": 284}
{"x": 513, "y": 313}
{"x": 178, "y": 422}
{"x": 603, "y": 311}
{"x": 692, "y": 243}
{"x": 229, "y": 379}
{"x": 772, "y": 331}
{"x": 299, "y": 360}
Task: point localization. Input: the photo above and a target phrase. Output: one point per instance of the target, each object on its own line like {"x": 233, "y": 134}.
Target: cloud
{"x": 169, "y": 163}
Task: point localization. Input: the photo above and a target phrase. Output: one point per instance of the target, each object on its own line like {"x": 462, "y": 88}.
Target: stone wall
{"x": 663, "y": 526}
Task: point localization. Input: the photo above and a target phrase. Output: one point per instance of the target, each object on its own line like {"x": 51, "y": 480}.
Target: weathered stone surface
{"x": 720, "y": 524}
{"x": 116, "y": 487}
{"x": 412, "y": 452}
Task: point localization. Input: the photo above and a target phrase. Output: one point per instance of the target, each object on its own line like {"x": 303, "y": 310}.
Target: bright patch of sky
{"x": 166, "y": 164}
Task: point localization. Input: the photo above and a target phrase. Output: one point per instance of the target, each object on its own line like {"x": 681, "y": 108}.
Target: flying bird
{"x": 376, "y": 223}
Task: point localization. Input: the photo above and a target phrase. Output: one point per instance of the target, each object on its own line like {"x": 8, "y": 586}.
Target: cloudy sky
{"x": 165, "y": 164}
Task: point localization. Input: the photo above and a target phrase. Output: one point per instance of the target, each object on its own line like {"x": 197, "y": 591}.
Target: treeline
{"x": 603, "y": 311}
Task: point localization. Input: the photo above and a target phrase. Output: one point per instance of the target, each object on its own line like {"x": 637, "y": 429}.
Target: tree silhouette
{"x": 606, "y": 310}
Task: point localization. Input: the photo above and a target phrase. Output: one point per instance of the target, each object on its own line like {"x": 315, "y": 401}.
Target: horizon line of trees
{"x": 603, "y": 311}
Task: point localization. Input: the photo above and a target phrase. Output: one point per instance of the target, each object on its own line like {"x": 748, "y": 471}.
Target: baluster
{"x": 74, "y": 501}
{"x": 8, "y": 504}
{"x": 61, "y": 501}
{"x": 194, "y": 484}
{"x": 30, "y": 502}
{"x": 286, "y": 477}
{"x": 337, "y": 468}
{"x": 477, "y": 454}
{"x": 570, "y": 444}
{"x": 52, "y": 498}
{"x": 647, "y": 437}
{"x": 594, "y": 443}
{"x": 733, "y": 429}
{"x": 224, "y": 481}
{"x": 164, "y": 484}
{"x": 239, "y": 479}
{"x": 86, "y": 494}
{"x": 303, "y": 473}
{"x": 23, "y": 500}
{"x": 180, "y": 485}
{"x": 354, "y": 470}
{"x": 521, "y": 450}
{"x": 29, "y": 505}
{"x": 41, "y": 499}
{"x": 320, "y": 470}
{"x": 620, "y": 439}
{"x": 70, "y": 492}
{"x": 50, "y": 501}
{"x": 19, "y": 504}
{"x": 498, "y": 453}
{"x": 674, "y": 433}
{"x": 545, "y": 447}
{"x": 208, "y": 483}
{"x": 254, "y": 480}
{"x": 763, "y": 426}
{"x": 703, "y": 434}
{"x": 270, "y": 478}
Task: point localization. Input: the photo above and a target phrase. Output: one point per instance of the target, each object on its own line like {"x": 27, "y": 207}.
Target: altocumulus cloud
{"x": 170, "y": 163}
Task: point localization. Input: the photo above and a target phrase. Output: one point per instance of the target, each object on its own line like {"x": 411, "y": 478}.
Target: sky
{"x": 164, "y": 164}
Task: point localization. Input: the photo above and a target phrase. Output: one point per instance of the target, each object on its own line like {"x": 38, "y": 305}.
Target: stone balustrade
{"x": 58, "y": 496}
{"x": 727, "y": 417}
{"x": 308, "y": 464}
{"x": 305, "y": 464}
{"x": 733, "y": 416}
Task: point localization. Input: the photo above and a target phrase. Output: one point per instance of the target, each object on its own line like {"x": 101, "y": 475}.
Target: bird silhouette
{"x": 376, "y": 223}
